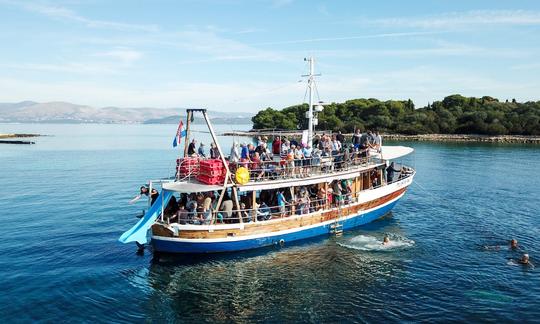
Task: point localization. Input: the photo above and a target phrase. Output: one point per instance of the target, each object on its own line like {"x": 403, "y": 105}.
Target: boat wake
{"x": 371, "y": 243}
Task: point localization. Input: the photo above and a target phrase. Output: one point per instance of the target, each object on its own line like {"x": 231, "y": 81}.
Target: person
{"x": 282, "y": 203}
{"x": 356, "y": 138}
{"x": 338, "y": 192}
{"x": 285, "y": 147}
{"x": 390, "y": 172}
{"x": 386, "y": 240}
{"x": 226, "y": 208}
{"x": 276, "y": 146}
{"x": 214, "y": 152}
{"x": 200, "y": 152}
{"x": 207, "y": 208}
{"x": 235, "y": 154}
{"x": 340, "y": 137}
{"x": 154, "y": 194}
{"x": 513, "y": 244}
{"x": 182, "y": 215}
{"x": 524, "y": 259}
{"x": 263, "y": 212}
{"x": 377, "y": 142}
{"x": 245, "y": 213}
{"x": 191, "y": 148}
{"x": 298, "y": 156}
{"x": 316, "y": 140}
{"x": 256, "y": 168}
{"x": 171, "y": 209}
{"x": 307, "y": 152}
{"x": 244, "y": 155}
{"x": 290, "y": 161}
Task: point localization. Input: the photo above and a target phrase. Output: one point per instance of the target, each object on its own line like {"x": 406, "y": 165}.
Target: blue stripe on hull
{"x": 211, "y": 247}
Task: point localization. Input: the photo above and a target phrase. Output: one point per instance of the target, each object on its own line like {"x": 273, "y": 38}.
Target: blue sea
{"x": 64, "y": 204}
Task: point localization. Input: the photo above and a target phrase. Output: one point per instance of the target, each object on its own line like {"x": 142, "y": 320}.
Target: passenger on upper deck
{"x": 200, "y": 152}
{"x": 235, "y": 153}
{"x": 356, "y": 138}
{"x": 377, "y": 142}
{"x": 214, "y": 152}
{"x": 276, "y": 146}
{"x": 340, "y": 137}
{"x": 191, "y": 151}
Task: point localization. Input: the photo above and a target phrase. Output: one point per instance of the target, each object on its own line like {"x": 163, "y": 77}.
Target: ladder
{"x": 337, "y": 227}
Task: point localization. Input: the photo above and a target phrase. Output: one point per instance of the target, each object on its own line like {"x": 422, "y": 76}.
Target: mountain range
{"x": 65, "y": 112}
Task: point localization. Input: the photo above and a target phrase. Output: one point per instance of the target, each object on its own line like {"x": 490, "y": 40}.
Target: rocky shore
{"x": 425, "y": 137}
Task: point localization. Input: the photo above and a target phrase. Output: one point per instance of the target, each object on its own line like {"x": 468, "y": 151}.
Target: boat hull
{"x": 232, "y": 244}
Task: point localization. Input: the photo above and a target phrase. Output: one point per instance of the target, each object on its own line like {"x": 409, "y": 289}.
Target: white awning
{"x": 189, "y": 187}
{"x": 393, "y": 152}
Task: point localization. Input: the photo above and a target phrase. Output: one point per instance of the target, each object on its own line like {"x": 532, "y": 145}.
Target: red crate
{"x": 211, "y": 163}
{"x": 210, "y": 180}
{"x": 211, "y": 172}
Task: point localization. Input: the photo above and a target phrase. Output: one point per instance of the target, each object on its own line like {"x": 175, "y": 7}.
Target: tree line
{"x": 455, "y": 114}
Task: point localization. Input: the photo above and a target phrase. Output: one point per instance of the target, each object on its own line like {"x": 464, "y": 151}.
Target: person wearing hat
{"x": 201, "y": 150}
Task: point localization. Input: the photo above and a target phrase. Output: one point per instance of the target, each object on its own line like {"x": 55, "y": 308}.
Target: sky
{"x": 235, "y": 55}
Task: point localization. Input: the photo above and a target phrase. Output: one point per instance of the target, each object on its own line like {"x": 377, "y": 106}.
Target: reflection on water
{"x": 310, "y": 278}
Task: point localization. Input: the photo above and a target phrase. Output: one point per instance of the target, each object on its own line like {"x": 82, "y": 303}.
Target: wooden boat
{"x": 330, "y": 194}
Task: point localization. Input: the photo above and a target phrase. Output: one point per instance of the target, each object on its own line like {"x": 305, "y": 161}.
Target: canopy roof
{"x": 189, "y": 187}
{"x": 393, "y": 152}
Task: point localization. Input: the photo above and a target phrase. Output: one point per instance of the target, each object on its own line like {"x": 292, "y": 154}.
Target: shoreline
{"x": 23, "y": 135}
{"x": 17, "y": 142}
{"x": 518, "y": 139}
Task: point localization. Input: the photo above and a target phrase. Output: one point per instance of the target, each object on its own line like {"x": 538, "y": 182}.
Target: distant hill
{"x": 65, "y": 112}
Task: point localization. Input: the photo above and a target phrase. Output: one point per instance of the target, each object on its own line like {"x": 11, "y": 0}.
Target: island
{"x": 455, "y": 118}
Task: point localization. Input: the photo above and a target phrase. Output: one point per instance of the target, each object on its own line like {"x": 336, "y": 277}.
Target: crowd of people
{"x": 203, "y": 209}
{"x": 282, "y": 157}
{"x": 287, "y": 157}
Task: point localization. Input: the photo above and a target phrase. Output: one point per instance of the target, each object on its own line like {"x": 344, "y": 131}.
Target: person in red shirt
{"x": 276, "y": 146}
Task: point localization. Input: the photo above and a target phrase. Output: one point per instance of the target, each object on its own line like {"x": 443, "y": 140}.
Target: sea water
{"x": 64, "y": 204}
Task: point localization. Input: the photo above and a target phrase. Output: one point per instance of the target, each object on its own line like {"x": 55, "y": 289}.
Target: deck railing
{"x": 279, "y": 167}
{"x": 298, "y": 206}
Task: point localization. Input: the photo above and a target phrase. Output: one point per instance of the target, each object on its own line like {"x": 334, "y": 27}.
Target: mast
{"x": 311, "y": 86}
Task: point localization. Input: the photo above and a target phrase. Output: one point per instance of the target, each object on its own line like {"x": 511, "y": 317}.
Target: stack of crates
{"x": 211, "y": 172}
{"x": 187, "y": 166}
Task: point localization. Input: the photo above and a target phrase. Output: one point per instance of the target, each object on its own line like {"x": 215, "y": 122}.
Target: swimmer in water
{"x": 524, "y": 259}
{"x": 513, "y": 244}
{"x": 386, "y": 240}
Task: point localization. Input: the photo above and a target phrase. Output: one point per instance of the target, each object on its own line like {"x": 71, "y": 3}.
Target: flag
{"x": 180, "y": 132}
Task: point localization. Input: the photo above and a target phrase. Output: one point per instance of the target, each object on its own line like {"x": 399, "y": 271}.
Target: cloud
{"x": 62, "y": 13}
{"x": 68, "y": 67}
{"x": 455, "y": 20}
{"x": 125, "y": 55}
{"x": 343, "y": 38}
{"x": 442, "y": 49}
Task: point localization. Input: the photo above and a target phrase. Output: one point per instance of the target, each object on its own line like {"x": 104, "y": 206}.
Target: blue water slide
{"x": 138, "y": 233}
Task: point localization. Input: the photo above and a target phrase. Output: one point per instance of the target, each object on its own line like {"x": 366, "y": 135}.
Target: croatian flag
{"x": 180, "y": 132}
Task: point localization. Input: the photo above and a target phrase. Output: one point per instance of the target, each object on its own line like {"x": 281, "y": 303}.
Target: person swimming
{"x": 513, "y": 244}
{"x": 524, "y": 259}
{"x": 386, "y": 240}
